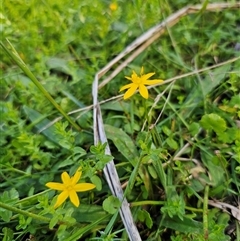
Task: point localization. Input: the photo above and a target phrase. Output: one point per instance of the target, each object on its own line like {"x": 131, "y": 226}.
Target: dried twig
{"x": 139, "y": 45}
{"x": 224, "y": 206}
{"x": 146, "y": 39}
{"x": 114, "y": 98}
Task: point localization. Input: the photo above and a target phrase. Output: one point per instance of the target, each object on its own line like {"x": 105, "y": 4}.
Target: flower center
{"x": 69, "y": 187}
{"x": 138, "y": 80}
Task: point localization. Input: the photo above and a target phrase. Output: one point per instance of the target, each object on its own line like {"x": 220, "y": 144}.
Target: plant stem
{"x": 132, "y": 116}
{"x": 25, "y": 213}
{"x": 14, "y": 55}
{"x": 205, "y": 212}
{"x": 33, "y": 197}
{"x": 146, "y": 202}
{"x": 151, "y": 202}
{"x": 145, "y": 110}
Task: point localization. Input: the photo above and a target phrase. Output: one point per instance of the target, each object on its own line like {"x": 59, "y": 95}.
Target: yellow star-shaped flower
{"x": 113, "y": 6}
{"x": 69, "y": 188}
{"x": 139, "y": 82}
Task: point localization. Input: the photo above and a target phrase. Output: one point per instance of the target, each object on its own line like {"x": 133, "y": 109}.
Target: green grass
{"x": 173, "y": 154}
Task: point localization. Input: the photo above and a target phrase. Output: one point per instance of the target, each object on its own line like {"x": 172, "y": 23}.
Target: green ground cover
{"x": 181, "y": 152}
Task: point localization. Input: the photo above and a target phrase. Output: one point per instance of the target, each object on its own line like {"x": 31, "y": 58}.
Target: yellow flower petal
{"x": 82, "y": 187}
{"x": 136, "y": 79}
{"x": 76, "y": 176}
{"x": 55, "y": 186}
{"x": 69, "y": 187}
{"x": 129, "y": 78}
{"x": 125, "y": 87}
{"x": 134, "y": 75}
{"x": 146, "y": 77}
{"x": 143, "y": 91}
{"x": 74, "y": 198}
{"x": 153, "y": 82}
{"x": 113, "y": 6}
{"x": 65, "y": 178}
{"x": 61, "y": 198}
{"x": 130, "y": 92}
{"x": 139, "y": 82}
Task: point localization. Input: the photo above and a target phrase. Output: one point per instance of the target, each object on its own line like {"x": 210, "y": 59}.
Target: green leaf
{"x": 111, "y": 204}
{"x": 123, "y": 142}
{"x": 166, "y": 131}
{"x": 203, "y": 88}
{"x": 79, "y": 150}
{"x": 80, "y": 231}
{"x": 194, "y": 128}
{"x": 157, "y": 163}
{"x": 60, "y": 65}
{"x": 229, "y": 136}
{"x": 152, "y": 171}
{"x": 5, "y": 215}
{"x": 72, "y": 98}
{"x": 40, "y": 121}
{"x": 10, "y": 50}
{"x": 213, "y": 122}
{"x": 218, "y": 222}
{"x": 116, "y": 106}
{"x": 144, "y": 140}
{"x": 53, "y": 221}
{"x": 215, "y": 168}
{"x": 96, "y": 181}
{"x": 23, "y": 222}
{"x": 8, "y": 234}
{"x": 175, "y": 205}
{"x": 67, "y": 162}
{"x": 10, "y": 197}
{"x": 185, "y": 225}
{"x": 172, "y": 143}
{"x": 88, "y": 213}
{"x": 144, "y": 216}
{"x": 235, "y": 101}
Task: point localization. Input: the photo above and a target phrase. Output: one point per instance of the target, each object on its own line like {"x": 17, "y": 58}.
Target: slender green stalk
{"x": 79, "y": 233}
{"x": 132, "y": 115}
{"x": 205, "y": 212}
{"x": 152, "y": 202}
{"x": 146, "y": 202}
{"x": 176, "y": 112}
{"x": 32, "y": 198}
{"x": 25, "y": 213}
{"x": 14, "y": 55}
{"x": 111, "y": 223}
{"x": 133, "y": 177}
{"x": 156, "y": 137}
{"x": 145, "y": 110}
{"x": 237, "y": 230}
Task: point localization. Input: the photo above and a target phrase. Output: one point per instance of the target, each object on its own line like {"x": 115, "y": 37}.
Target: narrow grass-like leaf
{"x": 88, "y": 213}
{"x": 123, "y": 142}
{"x": 116, "y": 106}
{"x": 59, "y": 64}
{"x": 199, "y": 92}
{"x": 185, "y": 225}
{"x": 159, "y": 168}
{"x": 133, "y": 177}
{"x": 40, "y": 121}
{"x": 80, "y": 232}
{"x": 14, "y": 55}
